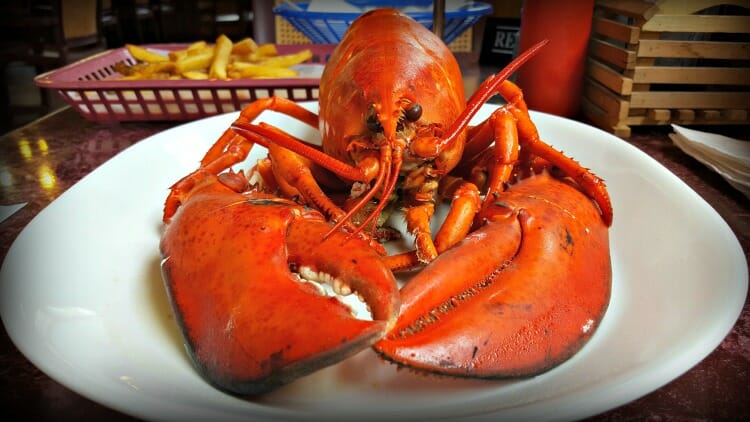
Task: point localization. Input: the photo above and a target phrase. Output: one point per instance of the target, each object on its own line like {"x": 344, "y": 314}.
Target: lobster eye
{"x": 412, "y": 112}
{"x": 373, "y": 123}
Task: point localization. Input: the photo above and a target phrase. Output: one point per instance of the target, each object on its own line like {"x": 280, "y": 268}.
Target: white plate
{"x": 82, "y": 298}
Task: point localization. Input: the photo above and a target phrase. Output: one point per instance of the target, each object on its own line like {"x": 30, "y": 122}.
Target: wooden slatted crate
{"x": 668, "y": 61}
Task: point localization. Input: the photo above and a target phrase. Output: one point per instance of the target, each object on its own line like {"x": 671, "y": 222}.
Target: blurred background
{"x": 43, "y": 35}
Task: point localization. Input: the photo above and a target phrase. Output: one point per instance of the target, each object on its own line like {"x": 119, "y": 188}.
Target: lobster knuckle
{"x": 251, "y": 324}
{"x": 517, "y": 297}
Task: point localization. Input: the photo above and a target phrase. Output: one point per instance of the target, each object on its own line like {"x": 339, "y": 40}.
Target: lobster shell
{"x": 250, "y": 324}
{"x": 384, "y": 59}
{"x": 517, "y": 297}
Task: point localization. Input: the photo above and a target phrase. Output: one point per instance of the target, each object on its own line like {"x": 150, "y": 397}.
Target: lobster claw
{"x": 251, "y": 323}
{"x": 515, "y": 298}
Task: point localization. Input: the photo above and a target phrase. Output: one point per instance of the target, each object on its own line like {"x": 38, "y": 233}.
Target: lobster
{"x": 513, "y": 283}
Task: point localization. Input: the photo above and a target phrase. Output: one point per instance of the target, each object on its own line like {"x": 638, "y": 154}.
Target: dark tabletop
{"x": 717, "y": 388}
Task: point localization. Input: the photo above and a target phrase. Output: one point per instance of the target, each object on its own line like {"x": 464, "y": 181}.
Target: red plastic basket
{"x": 92, "y": 87}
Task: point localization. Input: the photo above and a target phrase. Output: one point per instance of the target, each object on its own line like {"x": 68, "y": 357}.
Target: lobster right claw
{"x": 245, "y": 272}
{"x": 515, "y": 298}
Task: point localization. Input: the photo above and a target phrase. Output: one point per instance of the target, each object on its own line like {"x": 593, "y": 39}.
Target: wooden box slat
{"x": 616, "y": 30}
{"x": 630, "y": 8}
{"x": 612, "y": 54}
{"x": 693, "y": 49}
{"x": 698, "y": 23}
{"x": 614, "y": 105}
{"x": 690, "y": 75}
{"x": 609, "y": 77}
{"x": 673, "y": 99}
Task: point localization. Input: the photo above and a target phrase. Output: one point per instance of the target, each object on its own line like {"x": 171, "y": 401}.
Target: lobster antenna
{"x": 387, "y": 189}
{"x": 383, "y": 173}
{"x": 488, "y": 88}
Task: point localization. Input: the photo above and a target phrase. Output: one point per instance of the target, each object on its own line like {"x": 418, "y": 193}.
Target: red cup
{"x": 552, "y": 80}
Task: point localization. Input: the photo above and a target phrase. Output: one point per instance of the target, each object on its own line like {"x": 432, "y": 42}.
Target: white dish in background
{"x": 82, "y": 298}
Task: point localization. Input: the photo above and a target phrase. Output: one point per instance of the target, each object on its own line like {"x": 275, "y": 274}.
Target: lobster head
{"x": 255, "y": 288}
{"x": 387, "y": 94}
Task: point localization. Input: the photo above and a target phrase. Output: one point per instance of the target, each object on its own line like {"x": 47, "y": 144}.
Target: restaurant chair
{"x": 135, "y": 21}
{"x": 232, "y": 18}
{"x": 45, "y": 35}
{"x": 110, "y": 24}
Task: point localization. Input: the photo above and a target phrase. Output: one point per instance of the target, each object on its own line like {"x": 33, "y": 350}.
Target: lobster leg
{"x": 529, "y": 139}
{"x": 222, "y": 154}
{"x": 251, "y": 112}
{"x": 418, "y": 223}
{"x": 295, "y": 173}
{"x": 466, "y": 201}
{"x": 517, "y": 297}
{"x": 505, "y": 151}
{"x": 591, "y": 183}
{"x": 232, "y": 148}
{"x": 456, "y": 225}
{"x": 499, "y": 129}
{"x": 464, "y": 206}
{"x": 266, "y": 135}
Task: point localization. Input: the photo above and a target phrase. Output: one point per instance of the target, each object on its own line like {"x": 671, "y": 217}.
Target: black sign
{"x": 500, "y": 42}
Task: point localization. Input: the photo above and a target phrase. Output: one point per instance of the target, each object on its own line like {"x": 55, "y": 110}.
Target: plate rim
{"x": 666, "y": 375}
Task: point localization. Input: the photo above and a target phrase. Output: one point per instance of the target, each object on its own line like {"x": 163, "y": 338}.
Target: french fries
{"x": 222, "y": 60}
{"x": 143, "y": 55}
{"x": 222, "y": 50}
{"x": 200, "y": 61}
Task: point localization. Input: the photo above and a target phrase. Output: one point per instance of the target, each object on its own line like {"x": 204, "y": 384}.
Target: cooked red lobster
{"x": 514, "y": 282}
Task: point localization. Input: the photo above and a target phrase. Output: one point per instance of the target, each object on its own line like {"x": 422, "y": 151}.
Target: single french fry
{"x": 196, "y": 46}
{"x": 222, "y": 50}
{"x": 244, "y": 46}
{"x": 195, "y": 74}
{"x": 176, "y": 55}
{"x": 158, "y": 70}
{"x": 251, "y": 70}
{"x": 196, "y": 49}
{"x": 162, "y": 67}
{"x": 239, "y": 58}
{"x": 201, "y": 50}
{"x": 194, "y": 62}
{"x": 287, "y": 60}
{"x": 144, "y": 55}
{"x": 265, "y": 50}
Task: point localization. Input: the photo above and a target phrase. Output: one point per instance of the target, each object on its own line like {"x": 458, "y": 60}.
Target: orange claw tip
{"x": 250, "y": 323}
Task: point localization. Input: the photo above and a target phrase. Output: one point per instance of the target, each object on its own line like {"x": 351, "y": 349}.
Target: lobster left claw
{"x": 244, "y": 273}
